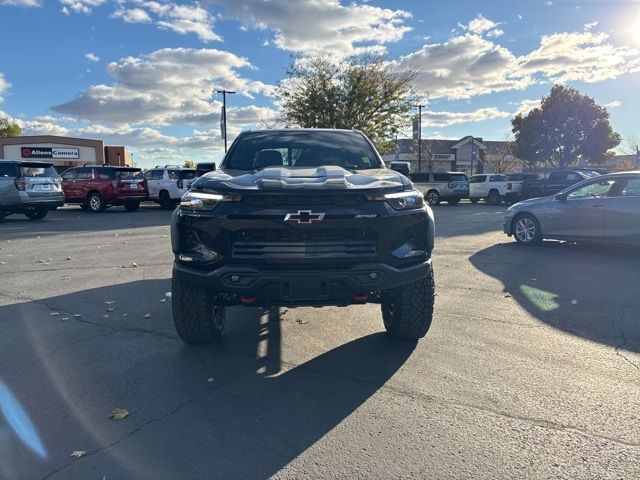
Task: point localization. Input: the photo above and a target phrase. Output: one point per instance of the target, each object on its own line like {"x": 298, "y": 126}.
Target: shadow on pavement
{"x": 592, "y": 291}
{"x": 468, "y": 219}
{"x": 249, "y": 420}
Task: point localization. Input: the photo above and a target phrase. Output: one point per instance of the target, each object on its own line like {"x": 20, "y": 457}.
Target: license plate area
{"x": 133, "y": 186}
{"x": 304, "y": 288}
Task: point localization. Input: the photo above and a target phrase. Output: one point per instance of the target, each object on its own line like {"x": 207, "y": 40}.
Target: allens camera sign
{"x": 45, "y": 152}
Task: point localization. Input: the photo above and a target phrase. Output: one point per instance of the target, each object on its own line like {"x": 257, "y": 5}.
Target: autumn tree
{"x": 365, "y": 93}
{"x": 9, "y": 128}
{"x": 567, "y": 127}
{"x": 189, "y": 164}
{"x": 499, "y": 157}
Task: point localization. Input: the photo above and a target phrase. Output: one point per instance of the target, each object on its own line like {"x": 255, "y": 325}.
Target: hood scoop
{"x": 321, "y": 177}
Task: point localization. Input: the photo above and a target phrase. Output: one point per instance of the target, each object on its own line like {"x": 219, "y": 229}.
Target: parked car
{"x": 601, "y": 208}
{"x": 205, "y": 167}
{"x": 402, "y": 167}
{"x": 516, "y": 184}
{"x": 257, "y": 233}
{"x": 557, "y": 181}
{"x": 30, "y": 188}
{"x": 168, "y": 184}
{"x": 97, "y": 187}
{"x": 491, "y": 187}
{"x": 448, "y": 186}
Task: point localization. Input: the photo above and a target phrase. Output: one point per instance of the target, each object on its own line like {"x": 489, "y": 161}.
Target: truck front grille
{"x": 292, "y": 244}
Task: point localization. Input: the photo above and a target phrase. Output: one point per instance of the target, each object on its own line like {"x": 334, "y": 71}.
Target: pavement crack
{"x": 623, "y": 343}
{"x": 175, "y": 410}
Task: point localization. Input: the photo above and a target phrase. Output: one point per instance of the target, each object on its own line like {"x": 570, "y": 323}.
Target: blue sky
{"x": 140, "y": 72}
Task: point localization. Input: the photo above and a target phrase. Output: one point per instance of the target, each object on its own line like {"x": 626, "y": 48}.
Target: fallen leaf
{"x": 122, "y": 266}
{"x": 125, "y": 314}
{"x": 65, "y": 277}
{"x": 68, "y": 258}
{"x": 507, "y": 296}
{"x": 135, "y": 265}
{"x": 77, "y": 453}
{"x": 301, "y": 322}
{"x": 168, "y": 294}
{"x": 105, "y": 315}
{"x": 49, "y": 259}
{"x": 77, "y": 314}
{"x": 2, "y": 263}
{"x": 116, "y": 235}
{"x": 109, "y": 302}
{"x": 54, "y": 314}
{"x": 118, "y": 413}
{"x": 146, "y": 315}
{"x": 163, "y": 300}
{"x": 65, "y": 318}
{"x": 210, "y": 380}
{"x": 110, "y": 309}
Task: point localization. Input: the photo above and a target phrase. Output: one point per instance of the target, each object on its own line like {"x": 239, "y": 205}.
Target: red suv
{"x": 97, "y": 187}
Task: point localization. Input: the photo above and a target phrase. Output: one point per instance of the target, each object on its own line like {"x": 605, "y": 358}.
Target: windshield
{"x": 589, "y": 173}
{"x": 37, "y": 171}
{"x": 255, "y": 151}
{"x": 458, "y": 177}
{"x": 128, "y": 174}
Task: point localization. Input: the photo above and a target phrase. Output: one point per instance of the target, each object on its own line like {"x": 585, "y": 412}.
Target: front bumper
{"x": 506, "y": 226}
{"x": 301, "y": 287}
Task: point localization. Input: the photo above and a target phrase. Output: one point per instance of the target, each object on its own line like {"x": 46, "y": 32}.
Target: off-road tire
{"x": 453, "y": 201}
{"x": 165, "y": 200}
{"x": 474, "y": 200}
{"x": 494, "y": 198}
{"x": 407, "y": 310}
{"x": 195, "y": 315}
{"x": 432, "y": 197}
{"x": 36, "y": 213}
{"x": 95, "y": 203}
{"x": 132, "y": 206}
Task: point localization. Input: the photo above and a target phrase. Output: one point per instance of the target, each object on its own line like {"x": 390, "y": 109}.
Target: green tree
{"x": 189, "y": 164}
{"x": 365, "y": 93}
{"x": 567, "y": 127}
{"x": 9, "y": 128}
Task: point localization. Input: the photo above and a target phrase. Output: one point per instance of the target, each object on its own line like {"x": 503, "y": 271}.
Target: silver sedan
{"x": 605, "y": 208}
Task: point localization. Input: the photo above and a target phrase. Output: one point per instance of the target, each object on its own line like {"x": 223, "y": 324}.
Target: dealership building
{"x": 62, "y": 152}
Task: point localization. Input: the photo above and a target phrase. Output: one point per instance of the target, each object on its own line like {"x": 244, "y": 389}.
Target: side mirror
{"x": 562, "y": 197}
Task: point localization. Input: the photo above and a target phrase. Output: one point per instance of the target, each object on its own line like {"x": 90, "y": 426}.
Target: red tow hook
{"x": 247, "y": 299}
{"x": 361, "y": 298}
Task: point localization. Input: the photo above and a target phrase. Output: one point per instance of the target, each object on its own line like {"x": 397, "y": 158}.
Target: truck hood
{"x": 308, "y": 179}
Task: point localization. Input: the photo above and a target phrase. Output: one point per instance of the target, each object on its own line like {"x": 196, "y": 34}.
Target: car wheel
{"x": 526, "y": 230}
{"x": 165, "y": 200}
{"x": 407, "y": 310}
{"x": 453, "y": 201}
{"x": 494, "y": 198}
{"x": 96, "y": 203}
{"x": 196, "y": 316}
{"x": 474, "y": 200}
{"x": 36, "y": 213}
{"x": 433, "y": 197}
{"x": 132, "y": 206}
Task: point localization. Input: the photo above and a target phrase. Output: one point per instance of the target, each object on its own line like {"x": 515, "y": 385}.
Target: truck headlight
{"x": 204, "y": 202}
{"x": 405, "y": 200}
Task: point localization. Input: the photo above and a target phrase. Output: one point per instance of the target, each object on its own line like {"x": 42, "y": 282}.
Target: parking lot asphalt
{"x": 530, "y": 370}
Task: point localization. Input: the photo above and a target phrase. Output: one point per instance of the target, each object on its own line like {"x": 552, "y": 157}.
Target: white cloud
{"x": 548, "y": 3}
{"x": 92, "y": 57}
{"x": 589, "y": 26}
{"x": 465, "y": 66}
{"x": 613, "y": 104}
{"x": 495, "y": 33}
{"x": 22, "y": 3}
{"x": 4, "y": 86}
{"x": 166, "y": 86}
{"x": 36, "y": 127}
{"x": 80, "y": 6}
{"x": 583, "y": 56}
{"x": 133, "y": 15}
{"x": 481, "y": 24}
{"x": 444, "y": 119}
{"x": 314, "y": 25}
{"x": 526, "y": 106}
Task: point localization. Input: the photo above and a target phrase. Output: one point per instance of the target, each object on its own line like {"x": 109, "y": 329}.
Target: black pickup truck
{"x": 556, "y": 182}
{"x": 302, "y": 218}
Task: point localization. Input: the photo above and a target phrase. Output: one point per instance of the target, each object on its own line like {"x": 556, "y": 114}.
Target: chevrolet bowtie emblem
{"x": 304, "y": 216}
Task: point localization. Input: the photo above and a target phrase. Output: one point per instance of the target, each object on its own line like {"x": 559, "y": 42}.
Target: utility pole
{"x": 473, "y": 152}
{"x": 223, "y": 117}
{"x": 420, "y": 107}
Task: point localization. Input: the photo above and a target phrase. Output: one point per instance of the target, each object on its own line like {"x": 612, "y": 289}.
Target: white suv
{"x": 491, "y": 187}
{"x": 168, "y": 184}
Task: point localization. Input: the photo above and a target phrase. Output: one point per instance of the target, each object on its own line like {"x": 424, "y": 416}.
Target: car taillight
{"x": 450, "y": 184}
{"x": 509, "y": 186}
{"x": 114, "y": 183}
{"x": 20, "y": 183}
{"x": 179, "y": 183}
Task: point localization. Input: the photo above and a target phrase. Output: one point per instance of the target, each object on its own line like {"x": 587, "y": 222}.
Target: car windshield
{"x": 27, "y": 170}
{"x": 458, "y": 177}
{"x": 258, "y": 150}
{"x": 128, "y": 174}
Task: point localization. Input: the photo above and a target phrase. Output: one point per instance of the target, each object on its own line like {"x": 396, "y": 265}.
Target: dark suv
{"x": 302, "y": 217}
{"x": 97, "y": 187}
